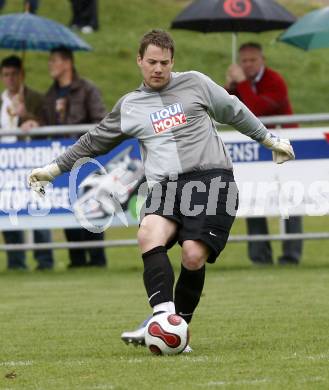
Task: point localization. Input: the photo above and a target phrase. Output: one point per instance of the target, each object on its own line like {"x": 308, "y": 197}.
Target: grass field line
{"x": 321, "y": 356}
{"x": 170, "y": 359}
{"x": 105, "y": 386}
{"x": 240, "y": 382}
{"x": 72, "y": 363}
{"x": 137, "y": 360}
{"x": 16, "y": 363}
{"x": 313, "y": 379}
{"x": 310, "y": 379}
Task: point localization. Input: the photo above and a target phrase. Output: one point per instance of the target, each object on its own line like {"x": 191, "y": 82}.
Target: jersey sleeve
{"x": 228, "y": 109}
{"x": 99, "y": 140}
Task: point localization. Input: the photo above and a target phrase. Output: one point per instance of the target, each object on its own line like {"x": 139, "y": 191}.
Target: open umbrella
{"x": 233, "y": 16}
{"x": 24, "y": 31}
{"x": 309, "y": 32}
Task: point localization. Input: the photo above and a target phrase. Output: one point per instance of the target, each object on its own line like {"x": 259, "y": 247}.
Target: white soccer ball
{"x": 166, "y": 334}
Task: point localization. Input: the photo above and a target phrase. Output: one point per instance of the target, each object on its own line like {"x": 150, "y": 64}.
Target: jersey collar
{"x": 146, "y": 88}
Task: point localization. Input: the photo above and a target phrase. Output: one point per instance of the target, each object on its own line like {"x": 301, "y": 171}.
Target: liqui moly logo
{"x": 168, "y": 117}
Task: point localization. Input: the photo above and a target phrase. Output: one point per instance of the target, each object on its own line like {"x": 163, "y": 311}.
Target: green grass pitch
{"x": 255, "y": 328}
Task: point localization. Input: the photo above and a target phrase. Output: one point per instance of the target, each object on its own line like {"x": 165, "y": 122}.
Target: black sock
{"x": 158, "y": 276}
{"x": 188, "y": 291}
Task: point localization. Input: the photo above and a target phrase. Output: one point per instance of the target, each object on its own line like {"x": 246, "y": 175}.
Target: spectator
{"x": 72, "y": 100}
{"x": 265, "y": 93}
{"x": 85, "y": 15}
{"x": 21, "y": 107}
{"x": 29, "y": 5}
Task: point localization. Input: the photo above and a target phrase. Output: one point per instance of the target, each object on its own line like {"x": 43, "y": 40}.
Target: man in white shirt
{"x": 20, "y": 107}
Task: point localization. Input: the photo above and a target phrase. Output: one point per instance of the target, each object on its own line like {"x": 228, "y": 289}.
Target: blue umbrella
{"x": 24, "y": 31}
{"x": 309, "y": 32}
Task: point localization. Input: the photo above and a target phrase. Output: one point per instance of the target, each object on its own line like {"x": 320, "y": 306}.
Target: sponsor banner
{"x": 22, "y": 208}
{"x": 299, "y": 187}
{"x": 168, "y": 118}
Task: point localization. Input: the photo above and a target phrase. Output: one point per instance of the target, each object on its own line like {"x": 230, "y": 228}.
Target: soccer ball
{"x": 166, "y": 334}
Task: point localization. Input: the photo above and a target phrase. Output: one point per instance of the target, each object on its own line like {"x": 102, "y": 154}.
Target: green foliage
{"x": 112, "y": 65}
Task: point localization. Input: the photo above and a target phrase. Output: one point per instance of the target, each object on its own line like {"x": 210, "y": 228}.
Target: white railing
{"x": 133, "y": 242}
{"x": 80, "y": 129}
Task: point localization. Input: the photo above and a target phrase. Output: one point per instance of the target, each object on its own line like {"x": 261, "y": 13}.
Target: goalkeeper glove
{"x": 40, "y": 177}
{"x": 281, "y": 149}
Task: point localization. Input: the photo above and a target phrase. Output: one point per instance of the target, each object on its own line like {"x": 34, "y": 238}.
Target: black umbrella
{"x": 233, "y": 16}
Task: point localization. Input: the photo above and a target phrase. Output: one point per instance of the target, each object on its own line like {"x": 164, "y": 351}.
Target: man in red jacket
{"x": 265, "y": 93}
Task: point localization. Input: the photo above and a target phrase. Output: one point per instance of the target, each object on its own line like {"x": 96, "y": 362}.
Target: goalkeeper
{"x": 172, "y": 116}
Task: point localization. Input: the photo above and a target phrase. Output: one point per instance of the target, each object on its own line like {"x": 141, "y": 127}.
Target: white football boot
{"x": 137, "y": 337}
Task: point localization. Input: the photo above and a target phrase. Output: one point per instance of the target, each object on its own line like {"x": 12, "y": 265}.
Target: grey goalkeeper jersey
{"x": 174, "y": 126}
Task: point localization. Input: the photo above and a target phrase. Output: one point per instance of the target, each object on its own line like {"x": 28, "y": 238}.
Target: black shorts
{"x": 203, "y": 203}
